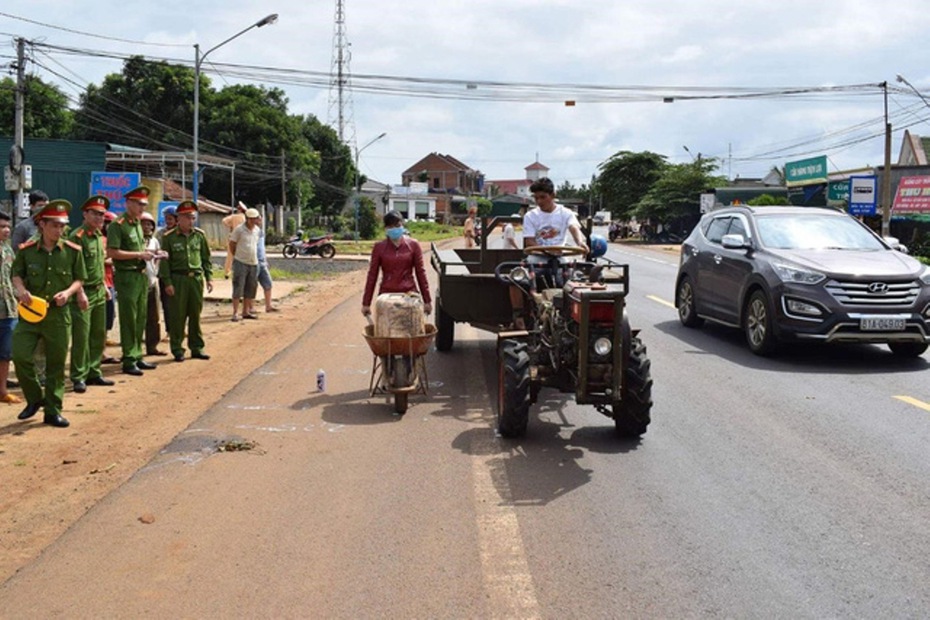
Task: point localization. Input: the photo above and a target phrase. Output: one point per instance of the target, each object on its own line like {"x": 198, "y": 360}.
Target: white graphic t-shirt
{"x": 549, "y": 228}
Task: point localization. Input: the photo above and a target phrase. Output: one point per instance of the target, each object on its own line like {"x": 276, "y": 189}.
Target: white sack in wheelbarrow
{"x": 399, "y": 315}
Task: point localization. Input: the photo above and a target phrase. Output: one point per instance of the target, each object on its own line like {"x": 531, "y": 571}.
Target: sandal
{"x": 235, "y": 318}
{"x": 249, "y": 316}
{"x": 10, "y": 399}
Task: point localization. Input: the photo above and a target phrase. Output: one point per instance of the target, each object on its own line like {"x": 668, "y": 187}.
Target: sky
{"x": 506, "y": 68}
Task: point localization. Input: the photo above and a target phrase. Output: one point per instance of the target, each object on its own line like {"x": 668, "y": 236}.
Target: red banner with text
{"x": 913, "y": 196}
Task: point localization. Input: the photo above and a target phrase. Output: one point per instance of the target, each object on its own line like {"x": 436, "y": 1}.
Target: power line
{"x": 93, "y": 35}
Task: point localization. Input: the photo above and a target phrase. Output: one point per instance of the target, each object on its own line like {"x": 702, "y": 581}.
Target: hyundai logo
{"x": 878, "y": 288}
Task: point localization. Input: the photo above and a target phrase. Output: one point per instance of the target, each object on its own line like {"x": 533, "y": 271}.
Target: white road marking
{"x": 645, "y": 257}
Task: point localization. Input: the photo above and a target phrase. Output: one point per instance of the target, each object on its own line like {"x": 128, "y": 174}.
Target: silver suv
{"x": 801, "y": 273}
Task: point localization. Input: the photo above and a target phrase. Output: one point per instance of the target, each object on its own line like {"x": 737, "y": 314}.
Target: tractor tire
{"x": 513, "y": 388}
{"x": 632, "y": 411}
{"x": 445, "y": 329}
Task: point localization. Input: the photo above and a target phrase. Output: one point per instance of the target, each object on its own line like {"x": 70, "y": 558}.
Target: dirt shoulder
{"x": 50, "y": 477}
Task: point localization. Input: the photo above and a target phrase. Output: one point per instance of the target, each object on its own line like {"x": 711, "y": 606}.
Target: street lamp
{"x": 198, "y": 61}
{"x": 901, "y": 79}
{"x": 358, "y": 181}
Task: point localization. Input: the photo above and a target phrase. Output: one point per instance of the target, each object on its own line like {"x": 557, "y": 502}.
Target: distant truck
{"x": 602, "y": 218}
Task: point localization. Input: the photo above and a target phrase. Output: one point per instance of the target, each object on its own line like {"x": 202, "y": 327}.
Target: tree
{"x": 148, "y": 105}
{"x": 336, "y": 180}
{"x": 626, "y": 178}
{"x": 368, "y": 221}
{"x": 677, "y": 192}
{"x": 766, "y": 200}
{"x": 45, "y": 109}
{"x": 251, "y": 124}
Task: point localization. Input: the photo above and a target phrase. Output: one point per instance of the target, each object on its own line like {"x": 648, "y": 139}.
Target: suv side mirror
{"x": 734, "y": 242}
{"x": 895, "y": 244}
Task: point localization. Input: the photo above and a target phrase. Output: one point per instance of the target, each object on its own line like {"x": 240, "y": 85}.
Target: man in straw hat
{"x": 51, "y": 269}
{"x": 126, "y": 246}
{"x": 89, "y": 326}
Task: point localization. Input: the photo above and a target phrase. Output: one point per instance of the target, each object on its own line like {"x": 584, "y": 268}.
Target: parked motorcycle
{"x": 314, "y": 246}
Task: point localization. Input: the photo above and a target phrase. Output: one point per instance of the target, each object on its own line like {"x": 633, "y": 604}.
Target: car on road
{"x": 784, "y": 274}
{"x": 602, "y": 218}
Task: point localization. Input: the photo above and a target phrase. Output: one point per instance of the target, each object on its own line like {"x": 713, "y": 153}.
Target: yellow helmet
{"x": 35, "y": 311}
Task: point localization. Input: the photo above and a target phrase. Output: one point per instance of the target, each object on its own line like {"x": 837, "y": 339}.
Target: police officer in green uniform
{"x": 89, "y": 309}
{"x": 183, "y": 274}
{"x": 50, "y": 268}
{"x": 126, "y": 246}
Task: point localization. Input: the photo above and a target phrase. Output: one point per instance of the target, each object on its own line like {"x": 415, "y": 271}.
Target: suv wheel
{"x": 757, "y": 325}
{"x": 687, "y": 312}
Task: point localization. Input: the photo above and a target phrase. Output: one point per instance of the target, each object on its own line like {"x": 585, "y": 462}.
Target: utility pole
{"x": 283, "y": 180}
{"x": 18, "y": 130}
{"x": 886, "y": 173}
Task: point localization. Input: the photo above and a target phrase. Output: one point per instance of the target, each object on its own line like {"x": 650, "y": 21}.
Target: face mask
{"x": 394, "y": 233}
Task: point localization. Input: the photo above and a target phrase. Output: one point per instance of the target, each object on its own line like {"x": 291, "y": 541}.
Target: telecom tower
{"x": 340, "y": 82}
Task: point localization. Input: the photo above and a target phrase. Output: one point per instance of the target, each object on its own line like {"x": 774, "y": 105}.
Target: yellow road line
{"x": 659, "y": 300}
{"x": 913, "y": 401}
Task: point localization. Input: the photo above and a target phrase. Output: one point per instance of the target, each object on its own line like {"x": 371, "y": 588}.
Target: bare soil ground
{"x": 49, "y": 477}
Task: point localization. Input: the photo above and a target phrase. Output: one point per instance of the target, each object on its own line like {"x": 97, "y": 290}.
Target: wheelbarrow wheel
{"x": 400, "y": 375}
{"x": 400, "y": 402}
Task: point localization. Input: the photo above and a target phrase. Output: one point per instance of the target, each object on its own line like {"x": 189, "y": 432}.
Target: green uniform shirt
{"x": 187, "y": 255}
{"x": 47, "y": 273}
{"x": 124, "y": 233}
{"x": 92, "y": 248}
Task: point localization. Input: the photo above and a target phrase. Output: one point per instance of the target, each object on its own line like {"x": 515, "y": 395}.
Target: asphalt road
{"x": 790, "y": 487}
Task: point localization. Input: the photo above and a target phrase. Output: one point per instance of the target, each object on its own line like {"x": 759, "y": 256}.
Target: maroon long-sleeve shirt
{"x": 398, "y": 265}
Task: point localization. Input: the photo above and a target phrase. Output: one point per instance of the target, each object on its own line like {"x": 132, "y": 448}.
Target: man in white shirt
{"x": 243, "y": 243}
{"x": 545, "y": 225}
{"x": 549, "y": 221}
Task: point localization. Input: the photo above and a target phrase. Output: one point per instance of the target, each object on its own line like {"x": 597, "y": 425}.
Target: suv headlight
{"x": 925, "y": 276}
{"x": 796, "y": 274}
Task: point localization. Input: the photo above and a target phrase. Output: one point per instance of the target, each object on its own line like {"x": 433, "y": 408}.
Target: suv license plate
{"x": 876, "y": 324}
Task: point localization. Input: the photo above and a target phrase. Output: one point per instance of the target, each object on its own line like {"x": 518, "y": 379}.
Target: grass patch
{"x": 425, "y": 232}
{"x": 302, "y": 276}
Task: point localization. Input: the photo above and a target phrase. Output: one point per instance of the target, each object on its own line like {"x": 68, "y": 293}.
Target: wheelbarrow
{"x": 399, "y": 365}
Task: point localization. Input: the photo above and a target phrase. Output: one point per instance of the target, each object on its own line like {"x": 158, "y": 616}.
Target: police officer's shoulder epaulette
{"x": 200, "y": 231}
{"x": 28, "y": 243}
{"x": 79, "y": 233}
{"x": 121, "y": 219}
{"x": 72, "y": 245}
{"x": 170, "y": 231}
